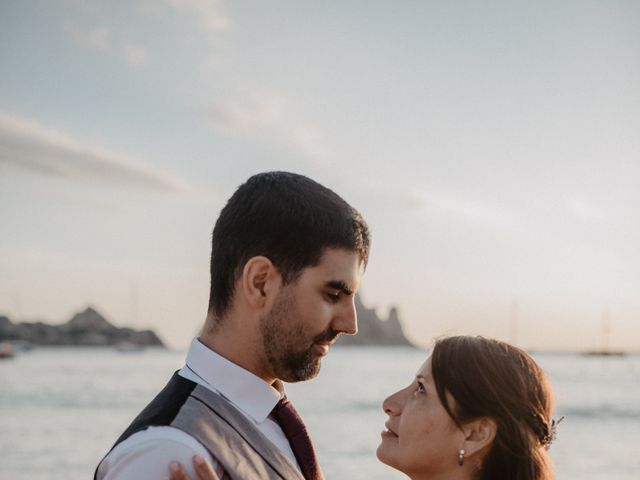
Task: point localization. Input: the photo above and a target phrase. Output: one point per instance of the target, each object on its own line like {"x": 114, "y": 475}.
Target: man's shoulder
{"x": 162, "y": 410}
{"x": 147, "y": 453}
{"x": 151, "y": 436}
{"x": 157, "y": 436}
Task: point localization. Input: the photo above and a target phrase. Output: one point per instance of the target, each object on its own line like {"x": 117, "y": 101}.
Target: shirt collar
{"x": 248, "y": 392}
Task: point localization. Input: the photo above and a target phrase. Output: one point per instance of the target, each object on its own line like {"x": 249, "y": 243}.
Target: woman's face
{"x": 420, "y": 437}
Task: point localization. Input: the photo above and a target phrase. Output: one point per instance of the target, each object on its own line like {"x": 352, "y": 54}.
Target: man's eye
{"x": 334, "y": 297}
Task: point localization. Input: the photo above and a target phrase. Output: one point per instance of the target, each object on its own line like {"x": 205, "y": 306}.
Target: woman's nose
{"x": 392, "y": 405}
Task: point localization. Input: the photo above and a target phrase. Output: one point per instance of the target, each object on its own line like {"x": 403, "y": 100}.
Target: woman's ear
{"x": 260, "y": 282}
{"x": 479, "y": 435}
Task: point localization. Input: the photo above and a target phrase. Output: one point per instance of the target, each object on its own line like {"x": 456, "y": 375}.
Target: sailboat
{"x": 127, "y": 346}
{"x": 6, "y": 350}
{"x": 605, "y": 351}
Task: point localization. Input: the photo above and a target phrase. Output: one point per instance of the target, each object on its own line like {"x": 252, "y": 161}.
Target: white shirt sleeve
{"x": 147, "y": 454}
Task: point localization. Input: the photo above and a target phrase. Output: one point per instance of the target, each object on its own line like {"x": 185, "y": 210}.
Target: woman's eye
{"x": 420, "y": 388}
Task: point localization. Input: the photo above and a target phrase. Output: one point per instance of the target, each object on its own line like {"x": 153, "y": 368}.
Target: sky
{"x": 493, "y": 148}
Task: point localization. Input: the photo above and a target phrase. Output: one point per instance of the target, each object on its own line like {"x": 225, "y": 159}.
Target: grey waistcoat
{"x": 243, "y": 451}
{"x": 230, "y": 437}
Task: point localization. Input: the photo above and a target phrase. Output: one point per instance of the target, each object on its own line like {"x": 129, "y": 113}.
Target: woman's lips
{"x": 388, "y": 433}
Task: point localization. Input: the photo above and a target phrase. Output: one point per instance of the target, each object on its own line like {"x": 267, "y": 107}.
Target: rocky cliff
{"x": 374, "y": 331}
{"x": 87, "y": 328}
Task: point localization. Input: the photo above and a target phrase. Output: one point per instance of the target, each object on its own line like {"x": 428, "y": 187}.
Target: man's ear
{"x": 260, "y": 282}
{"x": 479, "y": 435}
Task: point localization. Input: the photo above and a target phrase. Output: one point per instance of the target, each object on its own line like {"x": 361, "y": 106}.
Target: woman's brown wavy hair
{"x": 489, "y": 378}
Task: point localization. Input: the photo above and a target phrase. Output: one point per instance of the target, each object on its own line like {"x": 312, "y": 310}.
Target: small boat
{"x": 21, "y": 346}
{"x": 605, "y": 351}
{"x": 6, "y": 350}
{"x": 128, "y": 347}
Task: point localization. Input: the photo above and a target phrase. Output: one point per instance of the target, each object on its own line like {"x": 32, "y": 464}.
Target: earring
{"x": 461, "y": 457}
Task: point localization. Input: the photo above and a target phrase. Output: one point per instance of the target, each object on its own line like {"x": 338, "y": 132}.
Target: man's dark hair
{"x": 288, "y": 218}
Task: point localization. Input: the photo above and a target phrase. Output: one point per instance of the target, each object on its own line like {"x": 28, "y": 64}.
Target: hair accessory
{"x": 550, "y": 436}
{"x": 461, "y": 457}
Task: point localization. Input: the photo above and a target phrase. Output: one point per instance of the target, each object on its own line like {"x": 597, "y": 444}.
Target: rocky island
{"x": 374, "y": 331}
{"x": 87, "y": 328}
{"x": 90, "y": 328}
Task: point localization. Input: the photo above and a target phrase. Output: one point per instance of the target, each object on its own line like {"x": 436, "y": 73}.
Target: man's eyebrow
{"x": 339, "y": 285}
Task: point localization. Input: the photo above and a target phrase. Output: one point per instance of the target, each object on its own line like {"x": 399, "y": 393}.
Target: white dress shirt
{"x": 147, "y": 454}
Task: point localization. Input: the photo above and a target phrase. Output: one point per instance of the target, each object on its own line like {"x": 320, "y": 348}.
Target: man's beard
{"x": 288, "y": 348}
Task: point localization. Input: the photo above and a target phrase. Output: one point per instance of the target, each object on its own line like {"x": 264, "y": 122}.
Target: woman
{"x": 478, "y": 409}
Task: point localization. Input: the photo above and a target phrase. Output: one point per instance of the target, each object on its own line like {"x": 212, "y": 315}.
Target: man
{"x": 287, "y": 256}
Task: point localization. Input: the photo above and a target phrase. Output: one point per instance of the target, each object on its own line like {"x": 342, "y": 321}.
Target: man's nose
{"x": 347, "y": 319}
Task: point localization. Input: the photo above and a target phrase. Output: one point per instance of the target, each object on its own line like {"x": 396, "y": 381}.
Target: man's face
{"x": 309, "y": 313}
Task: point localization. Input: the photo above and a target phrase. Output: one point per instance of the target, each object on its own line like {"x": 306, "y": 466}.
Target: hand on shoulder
{"x": 203, "y": 469}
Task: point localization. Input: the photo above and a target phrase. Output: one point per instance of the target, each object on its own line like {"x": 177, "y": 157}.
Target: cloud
{"x": 29, "y": 146}
{"x": 434, "y": 203}
{"x": 250, "y": 117}
{"x": 584, "y": 210}
{"x": 96, "y": 39}
{"x": 206, "y": 12}
{"x": 266, "y": 119}
{"x": 136, "y": 55}
{"x": 201, "y": 21}
{"x": 387, "y": 195}
{"x": 99, "y": 39}
{"x": 471, "y": 210}
{"x": 206, "y": 23}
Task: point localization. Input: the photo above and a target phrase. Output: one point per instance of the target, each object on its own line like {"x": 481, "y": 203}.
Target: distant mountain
{"x": 90, "y": 328}
{"x": 374, "y": 331}
{"x": 87, "y": 328}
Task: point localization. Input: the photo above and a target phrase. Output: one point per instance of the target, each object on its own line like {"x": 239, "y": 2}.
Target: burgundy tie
{"x": 295, "y": 431}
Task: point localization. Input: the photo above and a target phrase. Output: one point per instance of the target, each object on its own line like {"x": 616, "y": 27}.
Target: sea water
{"x": 62, "y": 408}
